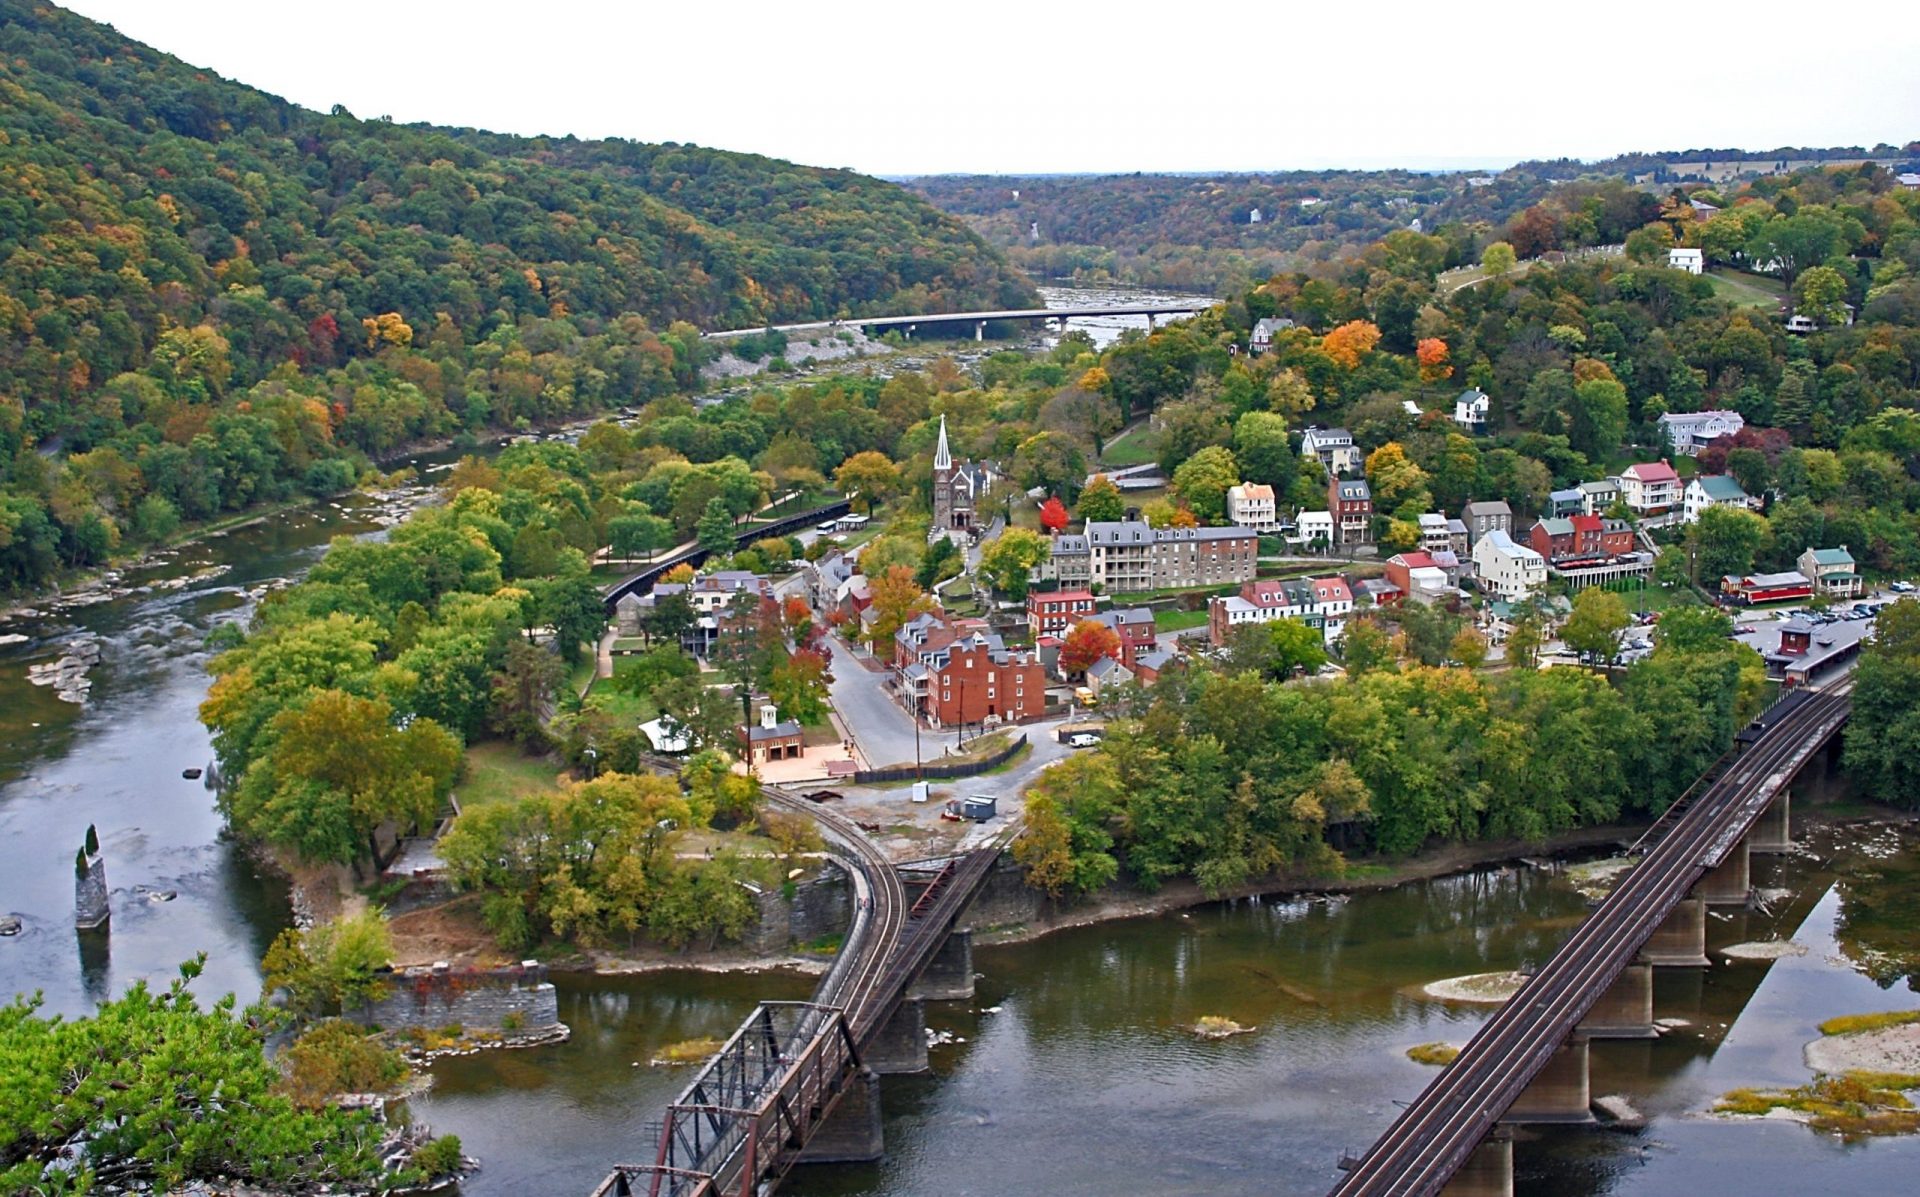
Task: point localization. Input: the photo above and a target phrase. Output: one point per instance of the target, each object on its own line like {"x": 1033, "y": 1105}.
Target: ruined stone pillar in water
{"x": 90, "y": 910}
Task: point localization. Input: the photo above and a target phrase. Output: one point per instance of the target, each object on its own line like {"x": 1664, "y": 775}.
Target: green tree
{"x": 1264, "y": 451}
{"x": 153, "y": 1090}
{"x": 1007, "y": 562}
{"x": 868, "y": 476}
{"x": 715, "y": 529}
{"x": 1821, "y": 292}
{"x": 332, "y": 967}
{"x": 1497, "y": 259}
{"x": 1203, "y": 481}
{"x": 1598, "y": 618}
{"x": 1723, "y": 542}
{"x": 1101, "y": 500}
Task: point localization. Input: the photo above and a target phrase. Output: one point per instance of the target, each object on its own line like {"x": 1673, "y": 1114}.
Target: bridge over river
{"x": 798, "y": 1081}
{"x": 908, "y": 325}
{"x": 1528, "y": 1063}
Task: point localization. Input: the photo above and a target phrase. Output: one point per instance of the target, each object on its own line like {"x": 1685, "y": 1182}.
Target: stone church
{"x": 960, "y": 489}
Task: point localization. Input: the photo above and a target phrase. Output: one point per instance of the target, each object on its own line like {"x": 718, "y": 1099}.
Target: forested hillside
{"x": 210, "y": 296}
{"x": 1200, "y": 232}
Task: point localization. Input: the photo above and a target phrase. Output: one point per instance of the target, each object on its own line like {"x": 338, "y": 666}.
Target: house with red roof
{"x": 1649, "y": 487}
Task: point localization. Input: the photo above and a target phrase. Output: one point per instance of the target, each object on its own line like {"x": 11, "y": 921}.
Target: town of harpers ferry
{"x": 1156, "y": 624}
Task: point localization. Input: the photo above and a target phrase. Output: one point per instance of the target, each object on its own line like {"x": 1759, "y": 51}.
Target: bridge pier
{"x": 1151, "y": 322}
{"x": 852, "y": 1134}
{"x": 900, "y": 1046}
{"x": 1730, "y": 882}
{"x": 949, "y": 975}
{"x": 980, "y": 330}
{"x": 1559, "y": 1093}
{"x": 1680, "y": 941}
{"x": 1772, "y": 831}
{"x": 1488, "y": 1172}
{"x": 1625, "y": 1010}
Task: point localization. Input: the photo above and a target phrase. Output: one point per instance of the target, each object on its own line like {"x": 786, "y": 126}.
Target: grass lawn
{"x": 1131, "y": 448}
{"x": 1174, "y": 621}
{"x": 1654, "y": 597}
{"x": 497, "y": 771}
{"x": 1747, "y": 290}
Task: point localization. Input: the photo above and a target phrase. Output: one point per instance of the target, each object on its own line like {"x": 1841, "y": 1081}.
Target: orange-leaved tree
{"x": 1053, "y": 514}
{"x": 1432, "y": 355}
{"x": 1352, "y": 340}
{"x": 1086, "y": 644}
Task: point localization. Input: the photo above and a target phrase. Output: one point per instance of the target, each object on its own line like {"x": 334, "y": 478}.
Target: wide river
{"x": 1070, "y": 1071}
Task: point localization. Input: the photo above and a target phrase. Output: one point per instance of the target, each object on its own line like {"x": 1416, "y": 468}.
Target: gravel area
{"x": 1891, "y": 1049}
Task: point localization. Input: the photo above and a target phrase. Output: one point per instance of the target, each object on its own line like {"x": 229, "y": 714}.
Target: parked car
{"x": 1082, "y": 740}
{"x": 1902, "y": 588}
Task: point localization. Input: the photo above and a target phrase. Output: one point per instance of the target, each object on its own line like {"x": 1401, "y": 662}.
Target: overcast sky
{"x": 1049, "y": 86}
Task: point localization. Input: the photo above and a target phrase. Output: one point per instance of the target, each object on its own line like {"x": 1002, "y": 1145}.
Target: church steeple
{"x": 942, "y": 458}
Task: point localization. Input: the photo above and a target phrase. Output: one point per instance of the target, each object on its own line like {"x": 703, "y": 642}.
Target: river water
{"x": 1069, "y": 1072}
{"x": 1107, "y": 329}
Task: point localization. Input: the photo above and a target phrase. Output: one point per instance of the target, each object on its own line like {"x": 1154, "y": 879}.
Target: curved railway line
{"x": 1434, "y": 1136}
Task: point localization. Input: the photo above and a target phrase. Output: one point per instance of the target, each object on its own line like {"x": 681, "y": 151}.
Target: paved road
{"x": 879, "y": 726}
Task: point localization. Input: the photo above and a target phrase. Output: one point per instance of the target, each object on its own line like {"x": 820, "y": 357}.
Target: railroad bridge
{"x": 799, "y": 1081}
{"x": 1528, "y": 1063}
{"x": 642, "y": 580}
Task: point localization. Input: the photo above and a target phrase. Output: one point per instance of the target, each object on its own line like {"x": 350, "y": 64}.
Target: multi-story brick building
{"x": 1135, "y": 629}
{"x": 1126, "y": 556}
{"x": 1351, "y": 503}
{"x": 976, "y": 683}
{"x": 1052, "y": 612}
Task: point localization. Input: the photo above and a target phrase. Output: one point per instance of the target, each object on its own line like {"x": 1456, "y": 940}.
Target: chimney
{"x": 769, "y": 715}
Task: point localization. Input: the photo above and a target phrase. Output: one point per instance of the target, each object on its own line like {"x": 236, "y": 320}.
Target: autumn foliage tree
{"x": 897, "y": 598}
{"x": 1350, "y": 342}
{"x": 1432, "y": 355}
{"x": 1053, "y": 514}
{"x": 1087, "y": 643}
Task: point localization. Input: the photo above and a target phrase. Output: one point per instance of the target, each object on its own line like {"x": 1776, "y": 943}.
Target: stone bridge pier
{"x": 1488, "y": 1172}
{"x": 1559, "y": 1093}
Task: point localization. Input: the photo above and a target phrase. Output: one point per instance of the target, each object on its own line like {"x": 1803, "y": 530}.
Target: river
{"x": 1069, "y": 1072}
{"x": 1107, "y": 329}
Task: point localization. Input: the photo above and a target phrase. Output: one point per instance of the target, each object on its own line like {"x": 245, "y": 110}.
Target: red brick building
{"x": 1135, "y": 629}
{"x": 1056, "y": 611}
{"x": 1580, "y": 538}
{"x": 977, "y": 684}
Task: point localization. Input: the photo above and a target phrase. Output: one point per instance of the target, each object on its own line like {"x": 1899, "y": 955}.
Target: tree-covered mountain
{"x": 208, "y": 295}
{"x": 1225, "y": 232}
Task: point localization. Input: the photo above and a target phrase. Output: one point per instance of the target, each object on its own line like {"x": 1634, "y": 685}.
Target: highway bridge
{"x": 799, "y": 1080}
{"x": 1528, "y": 1063}
{"x": 908, "y": 325}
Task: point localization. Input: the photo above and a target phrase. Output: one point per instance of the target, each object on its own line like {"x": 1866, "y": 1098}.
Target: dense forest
{"x": 211, "y": 297}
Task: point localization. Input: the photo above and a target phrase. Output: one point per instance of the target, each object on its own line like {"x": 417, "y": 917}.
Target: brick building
{"x": 976, "y": 683}
{"x": 1051, "y": 613}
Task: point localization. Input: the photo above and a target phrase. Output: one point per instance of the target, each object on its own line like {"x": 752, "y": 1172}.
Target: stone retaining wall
{"x": 475, "y": 999}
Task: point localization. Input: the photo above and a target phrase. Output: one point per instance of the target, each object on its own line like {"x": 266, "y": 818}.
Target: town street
{"x": 879, "y": 727}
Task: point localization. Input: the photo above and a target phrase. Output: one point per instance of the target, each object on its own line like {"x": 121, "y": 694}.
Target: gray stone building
{"x": 1126, "y": 556}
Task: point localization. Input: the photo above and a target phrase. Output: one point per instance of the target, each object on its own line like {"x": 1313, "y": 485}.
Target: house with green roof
{"x": 1714, "y": 490}
{"x": 1833, "y": 572}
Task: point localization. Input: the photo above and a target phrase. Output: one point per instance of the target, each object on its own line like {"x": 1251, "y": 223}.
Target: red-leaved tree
{"x": 1053, "y": 514}
{"x": 1086, "y": 644}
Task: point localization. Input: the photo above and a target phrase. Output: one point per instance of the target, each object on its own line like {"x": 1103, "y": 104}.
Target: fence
{"x": 943, "y": 772}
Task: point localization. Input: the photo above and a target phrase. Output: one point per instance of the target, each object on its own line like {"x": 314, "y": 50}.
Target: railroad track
{"x": 1433, "y": 1137}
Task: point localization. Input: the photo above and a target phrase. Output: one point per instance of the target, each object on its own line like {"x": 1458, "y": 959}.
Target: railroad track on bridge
{"x": 744, "y": 1120}
{"x": 1434, "y": 1136}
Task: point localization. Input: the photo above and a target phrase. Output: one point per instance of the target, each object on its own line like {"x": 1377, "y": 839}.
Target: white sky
{"x": 1043, "y": 86}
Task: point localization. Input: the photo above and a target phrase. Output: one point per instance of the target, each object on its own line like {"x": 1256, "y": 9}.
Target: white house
{"x": 1251, "y": 505}
{"x": 1713, "y": 490}
{"x": 1691, "y": 431}
{"x": 1832, "y": 571}
{"x": 1692, "y": 261}
{"x": 1505, "y": 569}
{"x": 1649, "y": 487}
{"x": 1313, "y": 529}
{"x": 1263, "y": 331}
{"x": 1333, "y": 447}
{"x": 1470, "y": 409}
{"x": 1435, "y": 535}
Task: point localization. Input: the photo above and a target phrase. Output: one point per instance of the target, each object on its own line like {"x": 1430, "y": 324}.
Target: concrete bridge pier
{"x": 949, "y": 975}
{"x": 1730, "y": 882}
{"x": 1559, "y": 1093}
{"x": 1488, "y": 1172}
{"x": 1152, "y": 322}
{"x": 1680, "y": 941}
{"x": 901, "y": 1045}
{"x": 1772, "y": 831}
{"x": 853, "y": 1134}
{"x": 980, "y": 330}
{"x": 1625, "y": 1010}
